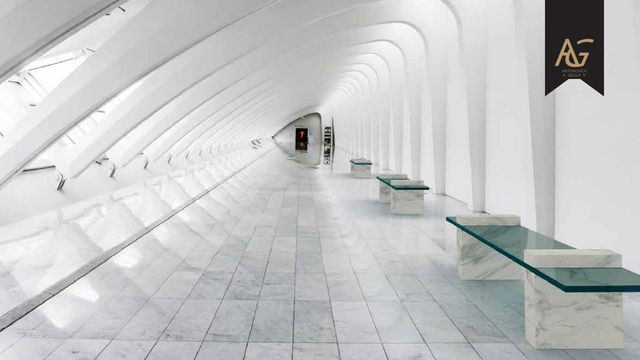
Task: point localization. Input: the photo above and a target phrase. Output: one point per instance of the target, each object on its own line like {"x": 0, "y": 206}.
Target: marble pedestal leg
{"x": 477, "y": 261}
{"x": 385, "y": 190}
{"x": 407, "y": 202}
{"x": 362, "y": 171}
{"x": 385, "y": 193}
{"x": 558, "y": 320}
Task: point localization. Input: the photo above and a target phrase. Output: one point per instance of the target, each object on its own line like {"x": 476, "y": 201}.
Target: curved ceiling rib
{"x": 245, "y": 90}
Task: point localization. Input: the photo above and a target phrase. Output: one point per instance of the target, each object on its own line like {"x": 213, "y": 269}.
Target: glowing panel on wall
{"x": 302, "y": 139}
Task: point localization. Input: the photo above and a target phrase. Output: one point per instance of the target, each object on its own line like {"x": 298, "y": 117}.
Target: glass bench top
{"x": 360, "y": 162}
{"x": 402, "y": 187}
{"x": 387, "y": 178}
{"x": 592, "y": 279}
{"x": 512, "y": 240}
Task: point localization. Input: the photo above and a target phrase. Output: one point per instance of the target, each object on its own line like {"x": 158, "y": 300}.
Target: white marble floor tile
{"x": 353, "y": 322}
{"x": 376, "y": 287}
{"x": 499, "y": 351}
{"x": 336, "y": 262}
{"x": 474, "y": 325}
{"x": 8, "y": 338}
{"x": 282, "y": 262}
{"x": 309, "y": 263}
{"x": 592, "y": 354}
{"x": 409, "y": 288}
{"x": 434, "y": 325}
{"x": 260, "y": 243}
{"x": 268, "y": 351}
{"x": 78, "y": 349}
{"x": 126, "y": 350}
{"x": 284, "y": 244}
{"x": 28, "y": 348}
{"x": 278, "y": 286}
{"x": 408, "y": 352}
{"x": 315, "y": 351}
{"x": 311, "y": 287}
{"x": 192, "y": 321}
{"x": 222, "y": 350}
{"x": 110, "y": 319}
{"x": 233, "y": 321}
{"x": 453, "y": 351}
{"x": 362, "y": 352}
{"x": 344, "y": 287}
{"x": 534, "y": 354}
{"x": 393, "y": 323}
{"x": 225, "y": 261}
{"x": 308, "y": 244}
{"x": 245, "y": 286}
{"x": 174, "y": 350}
{"x": 273, "y": 322}
{"x": 313, "y": 322}
{"x": 151, "y": 320}
{"x": 253, "y": 262}
{"x": 212, "y": 285}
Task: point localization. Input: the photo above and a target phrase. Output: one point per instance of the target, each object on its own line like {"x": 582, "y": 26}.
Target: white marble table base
{"x": 361, "y": 171}
{"x": 407, "y": 202}
{"x": 385, "y": 190}
{"x": 477, "y": 261}
{"x": 558, "y": 320}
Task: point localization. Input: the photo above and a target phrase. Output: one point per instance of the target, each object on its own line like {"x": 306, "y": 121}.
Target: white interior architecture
{"x": 154, "y": 203}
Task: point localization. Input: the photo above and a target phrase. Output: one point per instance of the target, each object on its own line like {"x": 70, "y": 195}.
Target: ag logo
{"x": 568, "y": 53}
{"x": 574, "y": 37}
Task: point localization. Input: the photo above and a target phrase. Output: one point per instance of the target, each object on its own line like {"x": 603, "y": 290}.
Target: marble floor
{"x": 43, "y": 254}
{"x": 284, "y": 261}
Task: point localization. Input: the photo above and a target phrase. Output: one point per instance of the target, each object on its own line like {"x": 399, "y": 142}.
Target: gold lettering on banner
{"x": 569, "y": 54}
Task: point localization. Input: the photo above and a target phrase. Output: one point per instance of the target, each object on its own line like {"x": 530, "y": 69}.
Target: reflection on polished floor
{"x": 287, "y": 262}
{"x": 42, "y": 255}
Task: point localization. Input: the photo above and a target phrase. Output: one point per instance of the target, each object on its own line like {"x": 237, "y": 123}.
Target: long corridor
{"x": 284, "y": 261}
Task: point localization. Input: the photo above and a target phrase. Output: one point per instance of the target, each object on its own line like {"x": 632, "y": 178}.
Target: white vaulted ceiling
{"x": 218, "y": 72}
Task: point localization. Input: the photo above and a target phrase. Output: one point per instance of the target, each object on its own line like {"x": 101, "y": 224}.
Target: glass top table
{"x": 401, "y": 187}
{"x": 512, "y": 240}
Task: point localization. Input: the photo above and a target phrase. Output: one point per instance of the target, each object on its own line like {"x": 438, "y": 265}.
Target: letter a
{"x": 568, "y": 53}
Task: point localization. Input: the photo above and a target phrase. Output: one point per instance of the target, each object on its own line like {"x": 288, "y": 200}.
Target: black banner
{"x": 574, "y": 43}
